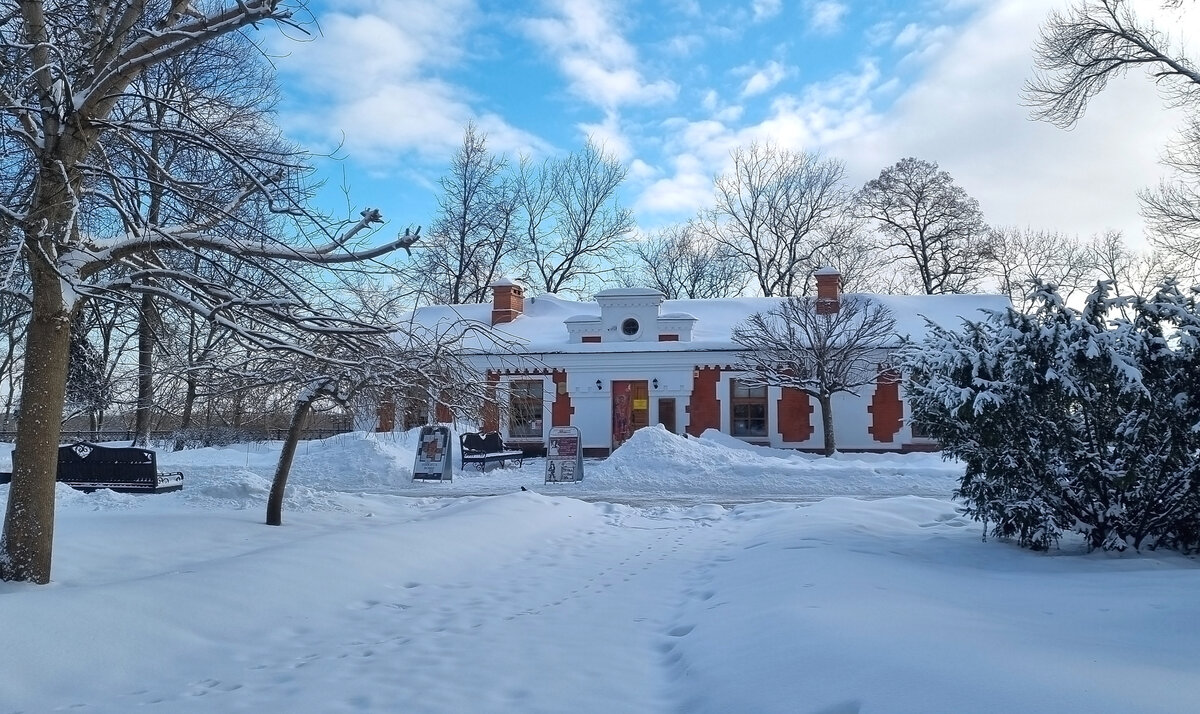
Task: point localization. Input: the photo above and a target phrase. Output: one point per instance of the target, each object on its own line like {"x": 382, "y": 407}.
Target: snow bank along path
{"x": 653, "y": 466}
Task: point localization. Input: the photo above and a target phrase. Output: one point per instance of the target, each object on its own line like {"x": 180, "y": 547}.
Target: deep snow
{"x": 383, "y": 595}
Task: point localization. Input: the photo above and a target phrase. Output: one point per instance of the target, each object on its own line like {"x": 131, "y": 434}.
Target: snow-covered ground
{"x": 682, "y": 575}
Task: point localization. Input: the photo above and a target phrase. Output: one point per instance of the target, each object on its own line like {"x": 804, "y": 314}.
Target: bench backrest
{"x": 472, "y": 442}
{"x": 102, "y": 464}
{"x": 492, "y": 443}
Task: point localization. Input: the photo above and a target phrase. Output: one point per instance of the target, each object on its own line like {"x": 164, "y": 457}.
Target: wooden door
{"x": 630, "y": 409}
{"x": 666, "y": 413}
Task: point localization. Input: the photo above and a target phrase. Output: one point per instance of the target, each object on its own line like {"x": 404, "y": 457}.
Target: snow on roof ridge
{"x": 630, "y": 292}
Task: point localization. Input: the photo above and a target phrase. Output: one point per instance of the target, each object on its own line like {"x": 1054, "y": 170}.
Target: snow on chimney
{"x": 829, "y": 290}
{"x": 508, "y": 300}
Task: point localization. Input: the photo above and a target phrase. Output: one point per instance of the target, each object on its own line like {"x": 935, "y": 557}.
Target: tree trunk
{"x": 826, "y": 402}
{"x": 29, "y": 518}
{"x": 275, "y": 499}
{"x": 145, "y": 396}
{"x": 238, "y": 408}
{"x": 189, "y": 404}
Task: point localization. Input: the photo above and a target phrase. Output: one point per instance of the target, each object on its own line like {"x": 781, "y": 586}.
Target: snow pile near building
{"x": 241, "y": 475}
{"x": 654, "y": 465}
{"x": 659, "y": 461}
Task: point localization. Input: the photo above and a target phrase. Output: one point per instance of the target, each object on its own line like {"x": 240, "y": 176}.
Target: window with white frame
{"x": 525, "y": 408}
{"x": 747, "y": 410}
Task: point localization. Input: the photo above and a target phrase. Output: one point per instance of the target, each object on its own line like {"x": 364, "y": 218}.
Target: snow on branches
{"x": 1071, "y": 420}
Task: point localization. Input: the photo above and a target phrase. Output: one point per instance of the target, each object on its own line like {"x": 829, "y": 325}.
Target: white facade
{"x": 632, "y": 358}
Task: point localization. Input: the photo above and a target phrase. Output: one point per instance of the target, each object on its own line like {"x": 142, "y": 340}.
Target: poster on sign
{"x": 564, "y": 455}
{"x": 433, "y": 455}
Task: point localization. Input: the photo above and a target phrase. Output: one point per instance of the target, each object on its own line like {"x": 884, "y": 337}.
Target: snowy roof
{"x": 542, "y": 327}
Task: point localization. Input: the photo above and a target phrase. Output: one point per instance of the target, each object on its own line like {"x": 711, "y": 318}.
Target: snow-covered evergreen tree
{"x": 89, "y": 389}
{"x": 1071, "y": 420}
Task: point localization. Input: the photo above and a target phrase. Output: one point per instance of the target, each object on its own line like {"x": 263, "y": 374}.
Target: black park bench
{"x": 484, "y": 448}
{"x": 128, "y": 469}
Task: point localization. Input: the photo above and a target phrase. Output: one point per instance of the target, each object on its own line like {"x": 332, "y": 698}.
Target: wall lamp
{"x": 599, "y": 385}
{"x": 655, "y": 382}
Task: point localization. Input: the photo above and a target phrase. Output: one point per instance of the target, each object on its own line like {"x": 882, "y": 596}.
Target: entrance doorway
{"x": 630, "y": 409}
{"x": 666, "y": 413}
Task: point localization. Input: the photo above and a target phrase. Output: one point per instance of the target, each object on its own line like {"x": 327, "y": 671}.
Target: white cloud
{"x": 965, "y": 112}
{"x": 600, "y": 65}
{"x": 825, "y": 16}
{"x": 686, "y": 190}
{"x": 908, "y": 36}
{"x": 765, "y": 9}
{"x": 684, "y": 45}
{"x": 609, "y": 135}
{"x": 764, "y": 78}
{"x": 923, "y": 42}
{"x": 372, "y": 80}
{"x": 824, "y": 113}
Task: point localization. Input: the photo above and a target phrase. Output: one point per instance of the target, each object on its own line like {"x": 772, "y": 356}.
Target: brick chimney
{"x": 508, "y": 301}
{"x": 829, "y": 290}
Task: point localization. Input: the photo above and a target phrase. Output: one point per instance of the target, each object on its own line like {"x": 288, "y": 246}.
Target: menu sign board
{"x": 564, "y": 455}
{"x": 433, "y": 455}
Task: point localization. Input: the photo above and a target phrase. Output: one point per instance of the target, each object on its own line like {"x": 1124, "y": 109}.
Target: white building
{"x": 630, "y": 359}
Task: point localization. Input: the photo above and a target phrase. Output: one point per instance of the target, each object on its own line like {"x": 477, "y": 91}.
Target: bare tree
{"x": 1172, "y": 209}
{"x": 1022, "y": 257}
{"x": 774, "y": 210}
{"x": 14, "y": 320}
{"x": 853, "y": 252}
{"x": 1082, "y": 48}
{"x": 225, "y": 81}
{"x": 573, "y": 227}
{"x": 1131, "y": 272}
{"x": 67, "y": 68}
{"x": 936, "y": 228}
{"x": 819, "y": 351}
{"x": 1079, "y": 51}
{"x": 474, "y": 229}
{"x": 681, "y": 262}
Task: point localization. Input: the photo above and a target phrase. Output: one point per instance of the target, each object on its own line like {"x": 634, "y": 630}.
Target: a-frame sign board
{"x": 564, "y": 455}
{"x": 433, "y": 455}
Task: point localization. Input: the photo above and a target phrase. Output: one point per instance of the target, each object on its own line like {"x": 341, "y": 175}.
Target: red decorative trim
{"x": 886, "y": 409}
{"x": 561, "y": 410}
{"x": 795, "y": 415}
{"x": 491, "y": 410}
{"x": 705, "y": 408}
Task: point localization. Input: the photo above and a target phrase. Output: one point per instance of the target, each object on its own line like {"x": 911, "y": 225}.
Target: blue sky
{"x": 671, "y": 87}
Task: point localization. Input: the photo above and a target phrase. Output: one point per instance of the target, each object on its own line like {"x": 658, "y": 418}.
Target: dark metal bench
{"x": 484, "y": 448}
{"x": 89, "y": 467}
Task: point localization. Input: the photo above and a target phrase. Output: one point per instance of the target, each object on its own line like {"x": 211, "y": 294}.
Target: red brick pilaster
{"x": 561, "y": 410}
{"x": 705, "y": 408}
{"x": 795, "y": 415}
{"x": 491, "y": 410}
{"x": 886, "y": 409}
